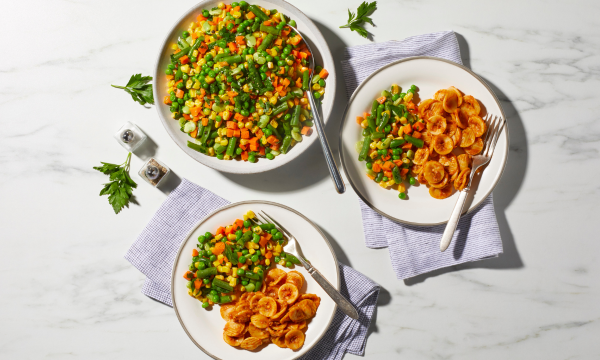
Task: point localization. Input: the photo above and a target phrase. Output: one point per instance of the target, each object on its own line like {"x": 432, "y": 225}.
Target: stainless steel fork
{"x": 293, "y": 248}
{"x": 494, "y": 125}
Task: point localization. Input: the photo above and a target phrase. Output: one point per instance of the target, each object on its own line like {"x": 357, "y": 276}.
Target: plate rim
{"x": 411, "y": 58}
{"x": 172, "y": 134}
{"x": 200, "y": 222}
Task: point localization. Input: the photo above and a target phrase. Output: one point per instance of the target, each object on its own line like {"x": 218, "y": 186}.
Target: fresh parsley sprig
{"x": 120, "y": 187}
{"x": 139, "y": 89}
{"x": 355, "y": 21}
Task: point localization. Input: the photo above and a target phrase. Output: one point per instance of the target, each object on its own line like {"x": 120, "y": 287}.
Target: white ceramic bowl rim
{"x": 361, "y": 196}
{"x": 327, "y": 108}
{"x": 337, "y": 286}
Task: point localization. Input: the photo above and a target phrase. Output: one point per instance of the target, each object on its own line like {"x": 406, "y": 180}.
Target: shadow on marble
{"x": 339, "y": 252}
{"x": 384, "y": 299}
{"x": 147, "y": 149}
{"x": 505, "y": 191}
{"x": 309, "y": 168}
{"x": 170, "y": 183}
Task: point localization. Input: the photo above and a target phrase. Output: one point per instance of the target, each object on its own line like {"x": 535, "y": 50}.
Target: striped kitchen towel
{"x": 153, "y": 253}
{"x": 415, "y": 250}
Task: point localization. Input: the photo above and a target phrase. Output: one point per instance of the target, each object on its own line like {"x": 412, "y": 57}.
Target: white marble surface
{"x": 68, "y": 293}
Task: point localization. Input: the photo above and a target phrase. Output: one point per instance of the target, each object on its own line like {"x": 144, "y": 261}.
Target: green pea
{"x": 169, "y": 72}
{"x": 220, "y": 156}
{"x": 208, "y": 235}
{"x": 322, "y": 83}
{"x": 270, "y": 156}
{"x": 230, "y": 26}
{"x": 250, "y": 287}
{"x": 254, "y": 258}
{"x": 277, "y": 259}
{"x": 369, "y": 165}
{"x": 201, "y": 266}
{"x": 288, "y": 264}
{"x": 213, "y": 257}
{"x": 242, "y": 259}
{"x": 252, "y": 159}
{"x": 316, "y": 95}
{"x": 385, "y": 179}
{"x": 412, "y": 180}
{"x": 238, "y": 233}
{"x": 245, "y": 252}
{"x": 238, "y": 151}
{"x": 205, "y": 304}
{"x": 180, "y": 85}
{"x": 247, "y": 223}
{"x": 402, "y": 195}
{"x": 194, "y": 59}
{"x": 206, "y": 281}
{"x": 240, "y": 272}
{"x": 256, "y": 241}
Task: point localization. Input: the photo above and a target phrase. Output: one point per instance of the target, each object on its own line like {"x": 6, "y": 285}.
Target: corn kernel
{"x": 226, "y": 269}
{"x": 224, "y": 142}
{"x": 395, "y": 89}
{"x": 282, "y": 262}
{"x": 403, "y": 120}
{"x": 408, "y": 97}
{"x": 255, "y": 270}
{"x": 255, "y": 129}
{"x": 267, "y": 262}
{"x": 221, "y": 5}
{"x": 263, "y": 140}
{"x": 248, "y": 125}
{"x": 196, "y": 85}
{"x": 260, "y": 111}
{"x": 302, "y": 118}
{"x": 244, "y": 141}
{"x": 231, "y": 236}
{"x": 246, "y": 88}
{"x": 251, "y": 251}
{"x": 250, "y": 214}
{"x": 401, "y": 187}
{"x": 211, "y": 151}
{"x": 209, "y": 80}
{"x": 189, "y": 83}
{"x": 234, "y": 272}
{"x": 262, "y": 251}
{"x": 233, "y": 282}
{"x": 274, "y": 123}
{"x": 216, "y": 263}
{"x": 220, "y": 256}
{"x": 316, "y": 86}
{"x": 373, "y": 155}
{"x": 270, "y": 64}
{"x": 364, "y": 124}
{"x": 303, "y": 101}
{"x": 185, "y": 68}
{"x": 278, "y": 248}
{"x": 189, "y": 103}
{"x": 218, "y": 139}
{"x": 220, "y": 277}
{"x": 171, "y": 83}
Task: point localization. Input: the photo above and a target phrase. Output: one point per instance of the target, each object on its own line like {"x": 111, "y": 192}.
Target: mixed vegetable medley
{"x": 391, "y": 133}
{"x": 237, "y": 82}
{"x": 234, "y": 260}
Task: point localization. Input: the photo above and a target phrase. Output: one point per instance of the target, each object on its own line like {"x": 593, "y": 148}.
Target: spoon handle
{"x": 333, "y": 169}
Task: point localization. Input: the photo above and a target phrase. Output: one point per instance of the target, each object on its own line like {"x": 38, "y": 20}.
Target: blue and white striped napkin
{"x": 415, "y": 250}
{"x": 154, "y": 251}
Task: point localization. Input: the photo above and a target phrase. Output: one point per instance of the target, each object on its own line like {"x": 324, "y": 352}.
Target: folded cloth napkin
{"x": 414, "y": 250}
{"x": 154, "y": 251}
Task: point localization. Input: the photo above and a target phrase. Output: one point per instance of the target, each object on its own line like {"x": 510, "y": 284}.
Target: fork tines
{"x": 495, "y": 124}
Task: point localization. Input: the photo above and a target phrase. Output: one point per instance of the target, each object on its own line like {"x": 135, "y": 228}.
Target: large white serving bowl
{"x": 429, "y": 74}
{"x": 205, "y": 328}
{"x": 322, "y": 57}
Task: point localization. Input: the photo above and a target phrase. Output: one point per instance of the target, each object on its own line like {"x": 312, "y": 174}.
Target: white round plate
{"x": 322, "y": 57}
{"x": 205, "y": 328}
{"x": 429, "y": 74}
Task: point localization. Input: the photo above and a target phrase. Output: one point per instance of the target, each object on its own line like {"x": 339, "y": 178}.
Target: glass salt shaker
{"x": 154, "y": 172}
{"x": 130, "y": 136}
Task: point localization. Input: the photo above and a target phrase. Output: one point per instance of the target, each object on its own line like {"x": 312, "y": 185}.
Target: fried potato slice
{"x": 227, "y": 311}
{"x": 468, "y": 138}
{"x": 464, "y": 161}
{"x": 450, "y": 100}
{"x": 275, "y": 277}
{"x": 421, "y": 156}
{"x": 442, "y": 193}
{"x": 443, "y": 144}
{"x": 258, "y": 332}
{"x": 267, "y": 306}
{"x": 288, "y": 293}
{"x": 450, "y": 163}
{"x": 461, "y": 181}
{"x": 442, "y": 183}
{"x": 260, "y": 321}
{"x": 294, "y": 339}
{"x": 233, "y": 341}
{"x": 475, "y": 148}
{"x": 433, "y": 172}
{"x": 234, "y": 329}
{"x": 251, "y": 343}
{"x": 279, "y": 341}
{"x": 295, "y": 278}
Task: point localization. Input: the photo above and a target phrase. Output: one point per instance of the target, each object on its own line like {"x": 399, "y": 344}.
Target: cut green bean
{"x": 202, "y": 274}
{"x": 266, "y": 42}
{"x": 365, "y": 148}
{"x": 287, "y": 141}
{"x": 270, "y": 29}
{"x": 305, "y": 76}
{"x": 231, "y": 146}
{"x": 296, "y": 116}
{"x": 416, "y": 142}
{"x": 222, "y": 284}
{"x": 197, "y": 147}
{"x": 258, "y": 12}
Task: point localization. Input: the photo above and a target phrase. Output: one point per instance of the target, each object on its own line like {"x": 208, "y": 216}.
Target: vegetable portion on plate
{"x": 237, "y": 82}
{"x": 422, "y": 143}
{"x": 234, "y": 260}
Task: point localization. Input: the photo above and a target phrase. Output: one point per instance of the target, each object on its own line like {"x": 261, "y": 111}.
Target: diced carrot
{"x": 229, "y": 133}
{"x": 386, "y": 158}
{"x": 381, "y": 99}
{"x": 272, "y": 139}
{"x": 303, "y": 54}
{"x": 170, "y": 77}
{"x": 286, "y": 31}
{"x": 219, "y": 248}
{"x": 238, "y": 117}
{"x": 306, "y": 131}
{"x": 200, "y": 18}
{"x": 263, "y": 241}
{"x": 194, "y": 252}
{"x": 232, "y": 125}
{"x": 261, "y": 151}
{"x": 195, "y": 118}
{"x": 258, "y": 41}
{"x": 250, "y": 15}
{"x": 179, "y": 94}
{"x": 359, "y": 120}
{"x": 323, "y": 74}
{"x": 240, "y": 223}
{"x": 275, "y": 147}
{"x": 232, "y": 94}
{"x": 407, "y": 129}
{"x": 194, "y": 133}
{"x": 286, "y": 82}
{"x": 278, "y": 42}
{"x": 398, "y": 162}
{"x": 253, "y": 147}
{"x": 372, "y": 177}
{"x": 197, "y": 284}
{"x": 299, "y": 82}
{"x": 419, "y": 126}
{"x": 228, "y": 230}
{"x": 186, "y": 116}
{"x": 245, "y": 155}
{"x": 245, "y": 134}
{"x": 184, "y": 59}
{"x": 188, "y": 275}
{"x": 259, "y": 133}
{"x": 412, "y": 108}
{"x": 195, "y": 110}
{"x": 267, "y": 23}
{"x": 204, "y": 121}
{"x": 176, "y": 51}
{"x": 388, "y": 165}
{"x": 220, "y": 231}
{"x": 167, "y": 100}
{"x": 269, "y": 255}
{"x": 237, "y": 133}
{"x": 403, "y": 172}
{"x": 203, "y": 48}
{"x": 407, "y": 146}
{"x": 416, "y": 134}
{"x": 376, "y": 167}
{"x": 232, "y": 47}
{"x": 388, "y": 174}
{"x": 295, "y": 40}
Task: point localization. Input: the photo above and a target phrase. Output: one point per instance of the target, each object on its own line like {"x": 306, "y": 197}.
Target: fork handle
{"x": 333, "y": 169}
{"x": 345, "y": 305}
{"x": 453, "y": 222}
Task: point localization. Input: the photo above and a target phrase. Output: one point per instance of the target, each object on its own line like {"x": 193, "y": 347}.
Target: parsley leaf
{"x": 120, "y": 188}
{"x": 139, "y": 89}
{"x": 355, "y": 21}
